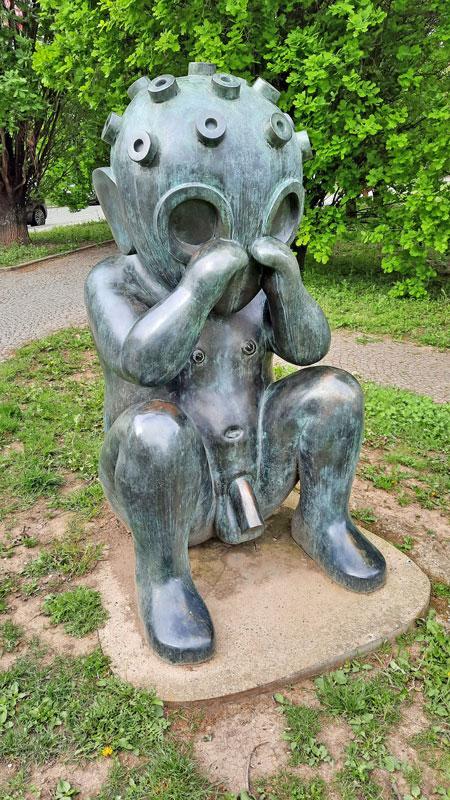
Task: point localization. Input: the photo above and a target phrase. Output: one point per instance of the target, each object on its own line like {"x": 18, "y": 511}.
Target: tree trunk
{"x": 13, "y": 222}
{"x": 301, "y": 255}
{"x": 351, "y": 208}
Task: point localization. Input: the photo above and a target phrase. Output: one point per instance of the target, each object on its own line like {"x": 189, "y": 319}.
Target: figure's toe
{"x": 177, "y": 621}
{"x": 344, "y": 553}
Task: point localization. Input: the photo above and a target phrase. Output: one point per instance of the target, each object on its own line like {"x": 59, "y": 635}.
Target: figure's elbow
{"x": 151, "y": 373}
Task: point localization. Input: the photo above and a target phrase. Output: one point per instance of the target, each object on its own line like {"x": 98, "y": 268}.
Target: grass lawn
{"x": 353, "y": 291}
{"x": 68, "y": 716}
{"x": 57, "y": 240}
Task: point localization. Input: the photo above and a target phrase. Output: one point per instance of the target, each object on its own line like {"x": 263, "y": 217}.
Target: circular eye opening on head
{"x": 285, "y": 219}
{"x": 192, "y": 223}
{"x": 190, "y": 215}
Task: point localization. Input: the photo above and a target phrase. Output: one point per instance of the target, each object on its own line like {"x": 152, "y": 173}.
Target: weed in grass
{"x": 87, "y": 500}
{"x": 360, "y": 700}
{"x": 8, "y": 584}
{"x": 170, "y": 774}
{"x": 18, "y": 788}
{"x": 379, "y": 477}
{"x": 75, "y": 706}
{"x": 427, "y": 740}
{"x": 441, "y": 589}
{"x": 6, "y": 550}
{"x": 28, "y": 589}
{"x": 79, "y": 609}
{"x": 355, "y": 782}
{"x": 64, "y": 791}
{"x": 302, "y": 726}
{"x": 70, "y": 555}
{"x": 364, "y": 515}
{"x": 37, "y": 480}
{"x": 413, "y": 774}
{"x": 10, "y": 636}
{"x": 285, "y": 786}
{"x": 405, "y": 545}
{"x": 30, "y": 541}
{"x": 435, "y": 669}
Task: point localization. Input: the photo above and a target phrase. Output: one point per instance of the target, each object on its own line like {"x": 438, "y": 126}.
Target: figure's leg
{"x": 312, "y": 425}
{"x": 155, "y": 473}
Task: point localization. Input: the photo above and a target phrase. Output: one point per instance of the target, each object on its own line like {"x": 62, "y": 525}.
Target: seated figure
{"x": 204, "y": 196}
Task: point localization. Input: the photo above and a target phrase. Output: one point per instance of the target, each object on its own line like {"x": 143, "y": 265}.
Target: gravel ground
{"x": 42, "y": 299}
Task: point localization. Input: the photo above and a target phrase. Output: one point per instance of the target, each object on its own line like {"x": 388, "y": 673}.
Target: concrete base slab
{"x": 277, "y": 616}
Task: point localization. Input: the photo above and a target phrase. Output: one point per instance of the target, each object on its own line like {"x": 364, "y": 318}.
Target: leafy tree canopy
{"x": 368, "y": 79}
{"x": 48, "y": 138}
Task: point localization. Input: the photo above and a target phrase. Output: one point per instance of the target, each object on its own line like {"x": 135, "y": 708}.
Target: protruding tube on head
{"x": 142, "y": 149}
{"x": 226, "y": 86}
{"x": 267, "y": 90}
{"x": 305, "y": 145}
{"x": 210, "y": 128}
{"x": 201, "y": 68}
{"x": 162, "y": 88}
{"x": 278, "y": 131}
{"x": 138, "y": 86}
{"x": 111, "y": 128}
{"x": 246, "y": 509}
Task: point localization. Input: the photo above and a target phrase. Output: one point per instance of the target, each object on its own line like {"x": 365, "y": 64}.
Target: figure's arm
{"x": 299, "y": 331}
{"x": 151, "y": 346}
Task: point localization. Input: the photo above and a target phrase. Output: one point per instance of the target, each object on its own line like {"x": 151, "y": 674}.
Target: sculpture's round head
{"x": 196, "y": 158}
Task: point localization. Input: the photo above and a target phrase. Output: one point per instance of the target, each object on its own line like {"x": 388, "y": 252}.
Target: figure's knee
{"x": 160, "y": 427}
{"x": 329, "y": 391}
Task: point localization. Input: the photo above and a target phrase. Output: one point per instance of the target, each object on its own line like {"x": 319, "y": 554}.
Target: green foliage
{"x": 45, "y": 133}
{"x": 441, "y": 589}
{"x": 73, "y": 705}
{"x": 368, "y": 79}
{"x": 170, "y": 774}
{"x": 365, "y": 515}
{"x": 8, "y": 584}
{"x": 405, "y": 545}
{"x": 302, "y": 727}
{"x": 79, "y": 609}
{"x": 64, "y": 791}
{"x": 285, "y": 786}
{"x": 359, "y": 700}
{"x": 435, "y": 669}
{"x": 10, "y": 636}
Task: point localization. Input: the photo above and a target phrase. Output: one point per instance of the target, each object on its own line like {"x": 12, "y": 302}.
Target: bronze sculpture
{"x": 204, "y": 196}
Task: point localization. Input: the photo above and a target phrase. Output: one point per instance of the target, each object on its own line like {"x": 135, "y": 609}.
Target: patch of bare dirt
{"x": 37, "y": 522}
{"x": 238, "y": 742}
{"x": 428, "y": 528}
{"x": 86, "y": 777}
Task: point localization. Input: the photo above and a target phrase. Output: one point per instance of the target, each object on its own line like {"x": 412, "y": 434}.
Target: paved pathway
{"x": 41, "y": 299}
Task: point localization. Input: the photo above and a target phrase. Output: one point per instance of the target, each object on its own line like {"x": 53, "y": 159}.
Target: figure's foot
{"x": 344, "y": 553}
{"x": 176, "y": 621}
